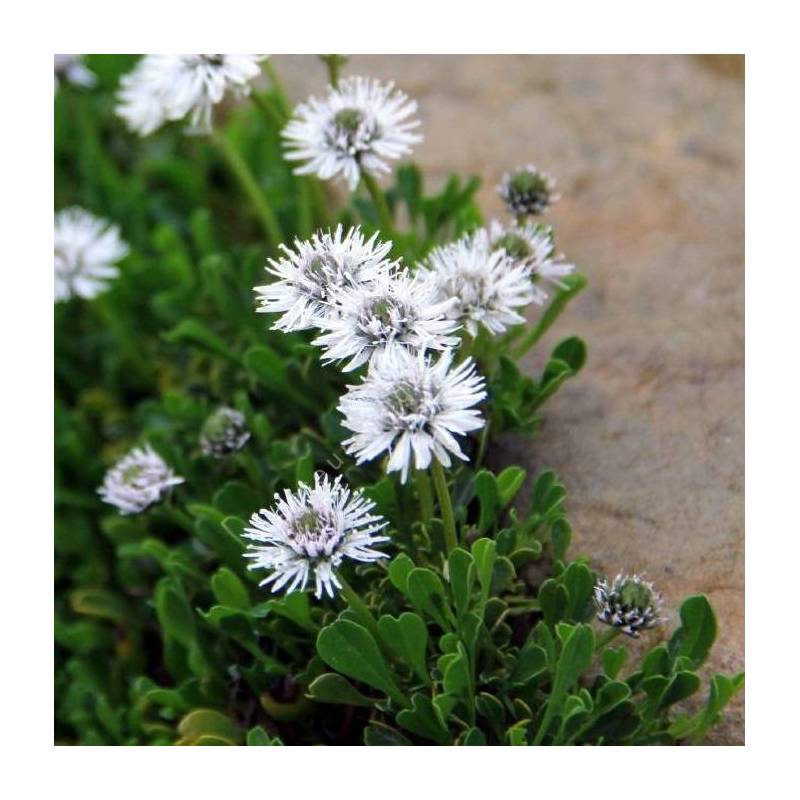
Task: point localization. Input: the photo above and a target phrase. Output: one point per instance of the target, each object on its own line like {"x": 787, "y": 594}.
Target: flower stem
{"x": 269, "y": 112}
{"x": 425, "y": 494}
{"x": 359, "y": 607}
{"x": 575, "y": 283}
{"x": 277, "y": 85}
{"x": 445, "y": 505}
{"x": 381, "y": 206}
{"x": 251, "y": 188}
{"x": 607, "y": 637}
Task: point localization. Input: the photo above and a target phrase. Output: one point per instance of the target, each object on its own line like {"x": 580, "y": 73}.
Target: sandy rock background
{"x": 649, "y": 155}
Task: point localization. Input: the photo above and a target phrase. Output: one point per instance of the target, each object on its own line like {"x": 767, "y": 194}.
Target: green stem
{"x": 251, "y": 188}
{"x": 180, "y": 518}
{"x": 484, "y": 440}
{"x": 248, "y": 463}
{"x": 277, "y": 85}
{"x": 576, "y": 283}
{"x": 425, "y": 495}
{"x": 381, "y": 206}
{"x": 607, "y": 637}
{"x": 359, "y": 607}
{"x": 271, "y": 115}
{"x": 445, "y": 505}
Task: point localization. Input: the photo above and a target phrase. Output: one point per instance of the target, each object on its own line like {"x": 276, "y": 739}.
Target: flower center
{"x": 315, "y": 533}
{"x": 412, "y": 406}
{"x": 132, "y": 473}
{"x": 528, "y": 183}
{"x": 635, "y": 595}
{"x": 384, "y": 320}
{"x": 351, "y": 131}
{"x": 516, "y": 246}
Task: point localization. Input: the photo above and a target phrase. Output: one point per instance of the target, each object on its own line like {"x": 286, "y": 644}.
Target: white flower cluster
{"x": 161, "y": 88}
{"x": 137, "y": 481}
{"x": 355, "y": 129}
{"x": 374, "y": 311}
{"x": 312, "y": 530}
{"x": 70, "y": 68}
{"x": 86, "y": 250}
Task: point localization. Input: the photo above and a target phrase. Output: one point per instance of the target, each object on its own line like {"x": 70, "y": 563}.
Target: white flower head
{"x": 532, "y": 244}
{"x": 488, "y": 285}
{"x": 137, "y": 481}
{"x": 528, "y": 191}
{"x": 311, "y": 274}
{"x": 629, "y": 603}
{"x": 71, "y": 69}
{"x": 223, "y": 433}
{"x": 412, "y": 408}
{"x": 87, "y": 250}
{"x": 161, "y": 88}
{"x": 313, "y": 530}
{"x": 359, "y": 126}
{"x": 395, "y": 310}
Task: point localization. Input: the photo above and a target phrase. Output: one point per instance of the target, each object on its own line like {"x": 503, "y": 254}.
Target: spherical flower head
{"x": 313, "y": 530}
{"x": 395, "y": 310}
{"x": 533, "y": 245}
{"x": 87, "y": 250}
{"x": 71, "y": 69}
{"x": 309, "y": 276}
{"x": 413, "y": 408}
{"x": 486, "y": 283}
{"x": 138, "y": 481}
{"x": 223, "y": 433}
{"x": 528, "y": 191}
{"x": 629, "y": 603}
{"x": 358, "y": 127}
{"x": 161, "y": 88}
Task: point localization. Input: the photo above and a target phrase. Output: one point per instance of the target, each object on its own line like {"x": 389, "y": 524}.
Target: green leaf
{"x": 238, "y": 499}
{"x": 576, "y": 656}
{"x": 426, "y": 592}
{"x": 509, "y": 482}
{"x": 267, "y": 367}
{"x": 407, "y": 636}
{"x": 474, "y": 737}
{"x": 350, "y": 649}
{"x": 294, "y": 606}
{"x": 175, "y": 615}
{"x": 613, "y": 660}
{"x": 579, "y": 582}
{"x": 610, "y": 695}
{"x": 489, "y": 498}
{"x": 572, "y": 351}
{"x": 697, "y": 632}
{"x": 553, "y": 600}
{"x": 560, "y": 535}
{"x": 531, "y": 661}
{"x": 205, "y": 722}
{"x": 399, "y": 569}
{"x": 258, "y": 737}
{"x": 376, "y": 734}
{"x": 456, "y": 679}
{"x": 99, "y": 603}
{"x": 484, "y": 552}
{"x": 197, "y": 334}
{"x": 682, "y": 685}
{"x": 424, "y": 719}
{"x": 461, "y": 574}
{"x": 229, "y": 590}
{"x": 333, "y": 688}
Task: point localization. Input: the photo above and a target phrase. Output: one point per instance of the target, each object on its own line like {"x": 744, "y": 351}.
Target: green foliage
{"x": 163, "y": 635}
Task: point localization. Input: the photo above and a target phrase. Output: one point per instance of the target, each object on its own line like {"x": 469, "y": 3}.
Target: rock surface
{"x": 649, "y": 154}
